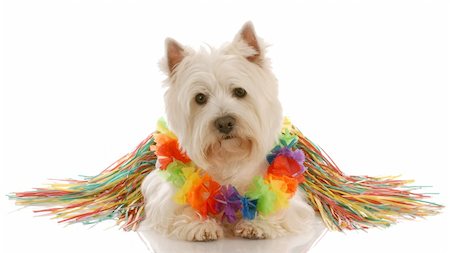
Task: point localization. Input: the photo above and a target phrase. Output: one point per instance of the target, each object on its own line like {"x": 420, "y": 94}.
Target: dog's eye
{"x": 201, "y": 98}
{"x": 239, "y": 92}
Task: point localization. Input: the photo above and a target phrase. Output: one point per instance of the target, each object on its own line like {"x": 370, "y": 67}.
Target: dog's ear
{"x": 247, "y": 36}
{"x": 174, "y": 54}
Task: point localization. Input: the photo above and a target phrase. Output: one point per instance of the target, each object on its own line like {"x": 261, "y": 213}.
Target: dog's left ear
{"x": 247, "y": 44}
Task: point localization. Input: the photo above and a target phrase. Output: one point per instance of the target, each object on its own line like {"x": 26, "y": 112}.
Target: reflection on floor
{"x": 157, "y": 243}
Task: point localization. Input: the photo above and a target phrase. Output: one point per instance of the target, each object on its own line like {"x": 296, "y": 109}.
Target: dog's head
{"x": 222, "y": 103}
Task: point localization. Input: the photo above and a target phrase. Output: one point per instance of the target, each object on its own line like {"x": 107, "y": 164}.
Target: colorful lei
{"x": 265, "y": 195}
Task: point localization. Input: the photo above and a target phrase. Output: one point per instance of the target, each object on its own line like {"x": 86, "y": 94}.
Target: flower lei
{"x": 264, "y": 196}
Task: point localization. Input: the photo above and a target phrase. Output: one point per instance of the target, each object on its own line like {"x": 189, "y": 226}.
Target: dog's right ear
{"x": 174, "y": 55}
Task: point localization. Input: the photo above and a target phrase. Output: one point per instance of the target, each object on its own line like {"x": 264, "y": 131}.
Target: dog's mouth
{"x": 228, "y": 137}
{"x": 229, "y": 141}
{"x": 228, "y": 148}
{"x": 233, "y": 143}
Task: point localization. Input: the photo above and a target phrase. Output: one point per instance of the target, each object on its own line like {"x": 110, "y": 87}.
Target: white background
{"x": 367, "y": 80}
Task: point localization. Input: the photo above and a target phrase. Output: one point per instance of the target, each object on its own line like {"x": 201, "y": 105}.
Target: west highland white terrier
{"x": 223, "y": 106}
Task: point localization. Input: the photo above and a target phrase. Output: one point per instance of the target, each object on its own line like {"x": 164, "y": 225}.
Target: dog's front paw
{"x": 205, "y": 232}
{"x": 188, "y": 229}
{"x": 249, "y": 230}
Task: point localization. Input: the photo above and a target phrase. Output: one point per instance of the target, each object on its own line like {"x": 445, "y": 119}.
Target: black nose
{"x": 225, "y": 124}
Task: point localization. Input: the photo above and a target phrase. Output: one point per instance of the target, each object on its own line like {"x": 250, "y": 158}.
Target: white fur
{"x": 216, "y": 72}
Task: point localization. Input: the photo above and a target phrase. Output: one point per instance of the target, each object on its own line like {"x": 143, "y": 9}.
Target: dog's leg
{"x": 298, "y": 218}
{"x": 190, "y": 226}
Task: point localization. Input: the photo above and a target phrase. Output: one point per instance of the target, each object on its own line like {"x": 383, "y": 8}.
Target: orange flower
{"x": 201, "y": 196}
{"x": 167, "y": 151}
{"x": 291, "y": 183}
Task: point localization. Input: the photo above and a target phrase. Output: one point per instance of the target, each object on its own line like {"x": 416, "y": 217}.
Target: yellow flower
{"x": 281, "y": 189}
{"x": 192, "y": 179}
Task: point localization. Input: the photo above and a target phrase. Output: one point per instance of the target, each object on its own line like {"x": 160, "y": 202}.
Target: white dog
{"x": 223, "y": 106}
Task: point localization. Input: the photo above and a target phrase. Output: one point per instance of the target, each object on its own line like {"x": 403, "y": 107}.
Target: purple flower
{"x": 228, "y": 201}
